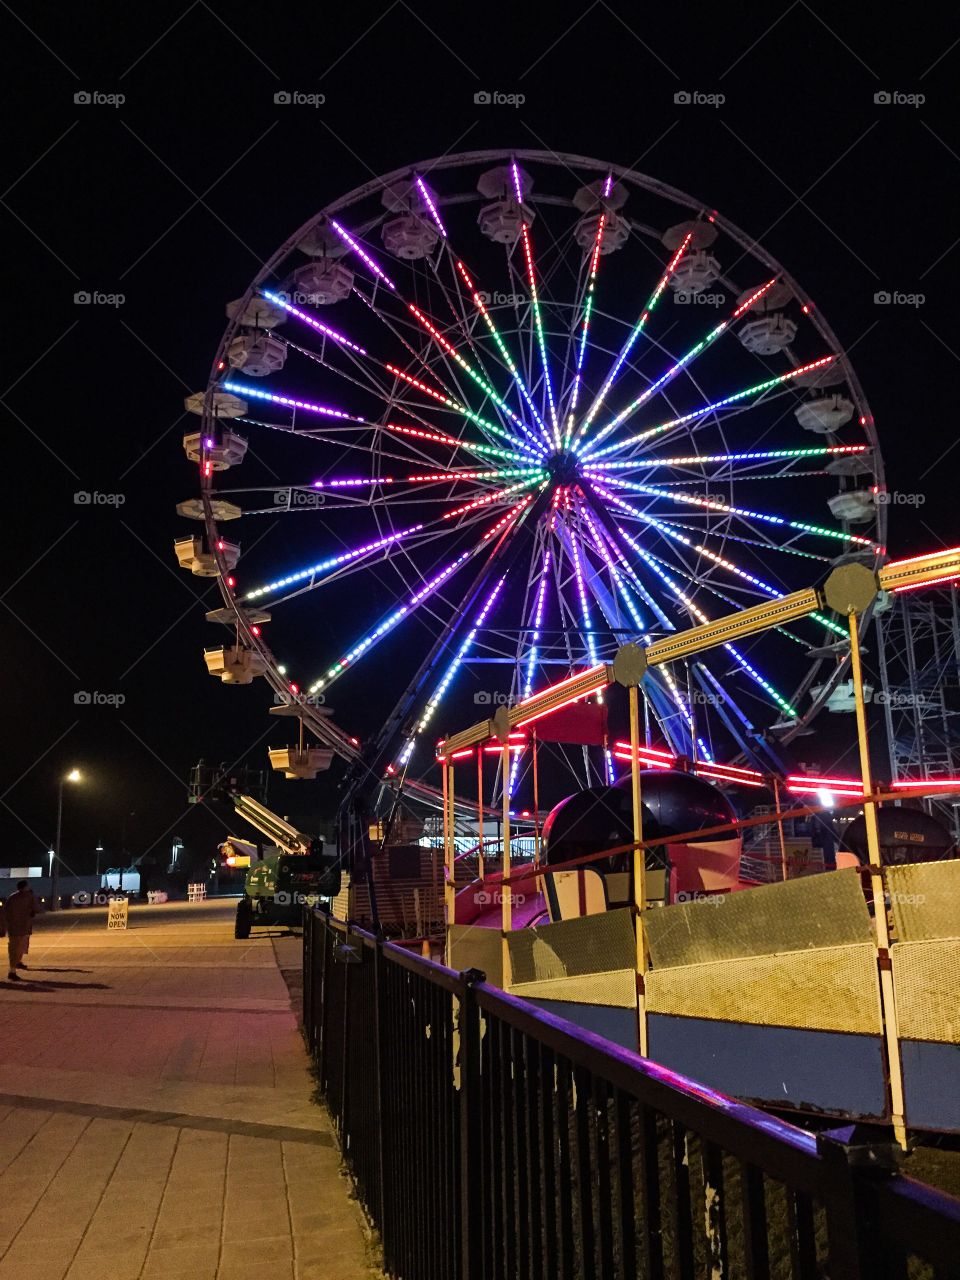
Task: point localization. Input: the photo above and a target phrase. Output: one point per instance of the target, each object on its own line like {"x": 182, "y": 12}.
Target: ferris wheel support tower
{"x": 919, "y": 654}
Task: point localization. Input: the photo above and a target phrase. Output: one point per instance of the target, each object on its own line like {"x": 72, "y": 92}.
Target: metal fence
{"x": 492, "y": 1141}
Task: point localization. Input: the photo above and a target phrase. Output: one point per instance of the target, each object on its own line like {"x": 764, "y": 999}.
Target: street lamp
{"x": 73, "y": 776}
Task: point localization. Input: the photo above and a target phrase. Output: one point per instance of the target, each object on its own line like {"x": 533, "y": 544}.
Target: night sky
{"x": 164, "y": 204}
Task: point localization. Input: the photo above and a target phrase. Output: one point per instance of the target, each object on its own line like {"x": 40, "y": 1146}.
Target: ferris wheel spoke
{"x": 714, "y": 504}
{"x": 370, "y": 383}
{"x": 585, "y": 321}
{"x": 417, "y": 598}
{"x": 449, "y": 353}
{"x": 673, "y": 691}
{"x": 756, "y": 390}
{"x": 756, "y": 457}
{"x": 449, "y": 674}
{"x": 480, "y": 381}
{"x": 631, "y": 340}
{"x": 362, "y": 254}
{"x": 697, "y": 613}
{"x": 757, "y": 587}
{"x": 685, "y": 360}
{"x": 604, "y": 551}
{"x": 521, "y": 385}
{"x": 610, "y": 534}
{"x": 483, "y": 423}
{"x": 573, "y": 539}
{"x": 535, "y": 304}
{"x": 499, "y": 356}
{"x": 324, "y": 571}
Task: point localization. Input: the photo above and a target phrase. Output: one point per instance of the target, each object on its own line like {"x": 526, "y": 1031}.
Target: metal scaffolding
{"x": 919, "y": 655}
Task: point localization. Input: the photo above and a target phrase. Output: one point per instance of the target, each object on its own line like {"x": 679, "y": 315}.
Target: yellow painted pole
{"x": 784, "y": 867}
{"x": 639, "y": 867}
{"x": 506, "y": 892}
{"x": 879, "y": 897}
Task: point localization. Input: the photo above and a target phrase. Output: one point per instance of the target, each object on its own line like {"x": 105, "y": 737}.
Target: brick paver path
{"x": 155, "y": 1110}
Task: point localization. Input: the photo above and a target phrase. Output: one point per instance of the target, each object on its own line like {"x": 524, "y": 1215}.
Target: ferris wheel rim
{"x": 584, "y": 164}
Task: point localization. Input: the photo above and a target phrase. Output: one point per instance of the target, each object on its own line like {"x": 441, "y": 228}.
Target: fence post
{"x": 850, "y": 1157}
{"x": 345, "y": 1053}
{"x": 379, "y": 1004}
{"x": 471, "y": 1169}
{"x": 319, "y": 1048}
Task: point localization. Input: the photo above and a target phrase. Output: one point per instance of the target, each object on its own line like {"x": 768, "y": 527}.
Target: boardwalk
{"x": 155, "y": 1110}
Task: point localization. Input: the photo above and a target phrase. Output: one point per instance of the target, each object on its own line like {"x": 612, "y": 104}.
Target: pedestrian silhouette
{"x": 18, "y": 912}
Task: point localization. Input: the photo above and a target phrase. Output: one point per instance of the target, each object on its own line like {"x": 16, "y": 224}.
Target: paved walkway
{"x": 155, "y": 1109}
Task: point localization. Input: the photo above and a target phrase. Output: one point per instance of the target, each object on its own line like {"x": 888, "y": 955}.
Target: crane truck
{"x": 277, "y": 887}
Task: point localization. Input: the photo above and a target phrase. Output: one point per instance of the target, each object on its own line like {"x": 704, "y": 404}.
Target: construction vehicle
{"x": 297, "y": 874}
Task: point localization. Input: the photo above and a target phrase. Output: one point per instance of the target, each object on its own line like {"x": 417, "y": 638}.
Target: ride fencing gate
{"x": 491, "y": 1141}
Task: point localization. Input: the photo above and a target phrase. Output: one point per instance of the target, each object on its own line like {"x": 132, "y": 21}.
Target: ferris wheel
{"x": 499, "y": 413}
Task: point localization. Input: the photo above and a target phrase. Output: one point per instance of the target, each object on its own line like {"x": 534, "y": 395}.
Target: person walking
{"x": 18, "y": 912}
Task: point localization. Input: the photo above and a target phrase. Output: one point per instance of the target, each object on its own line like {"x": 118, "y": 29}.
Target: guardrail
{"x": 491, "y": 1141}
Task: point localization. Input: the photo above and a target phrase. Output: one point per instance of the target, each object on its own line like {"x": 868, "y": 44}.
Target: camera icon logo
{"x": 82, "y": 899}
{"x": 882, "y": 98}
{"x": 82, "y": 499}
{"x": 282, "y": 98}
{"x": 682, "y": 98}
{"x": 282, "y": 899}
{"x": 882, "y": 298}
{"x": 82, "y": 699}
{"x": 82, "y": 298}
{"x": 82, "y": 98}
{"x": 483, "y": 698}
{"x": 482, "y": 98}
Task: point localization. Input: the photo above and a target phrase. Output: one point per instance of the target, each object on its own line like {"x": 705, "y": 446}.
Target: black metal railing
{"x": 492, "y": 1141}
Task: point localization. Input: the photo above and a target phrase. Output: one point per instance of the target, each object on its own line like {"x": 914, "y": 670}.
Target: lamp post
{"x": 73, "y": 776}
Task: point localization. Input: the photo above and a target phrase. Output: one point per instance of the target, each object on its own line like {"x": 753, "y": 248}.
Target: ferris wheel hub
{"x": 563, "y": 467}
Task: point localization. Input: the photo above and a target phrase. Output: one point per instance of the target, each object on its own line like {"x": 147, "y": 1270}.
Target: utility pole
{"x": 73, "y": 776}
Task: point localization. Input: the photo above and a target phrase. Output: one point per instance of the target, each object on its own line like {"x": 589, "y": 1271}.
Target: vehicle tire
{"x": 244, "y": 921}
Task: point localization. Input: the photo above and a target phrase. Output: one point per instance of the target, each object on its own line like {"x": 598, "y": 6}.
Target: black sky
{"x": 175, "y": 196}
